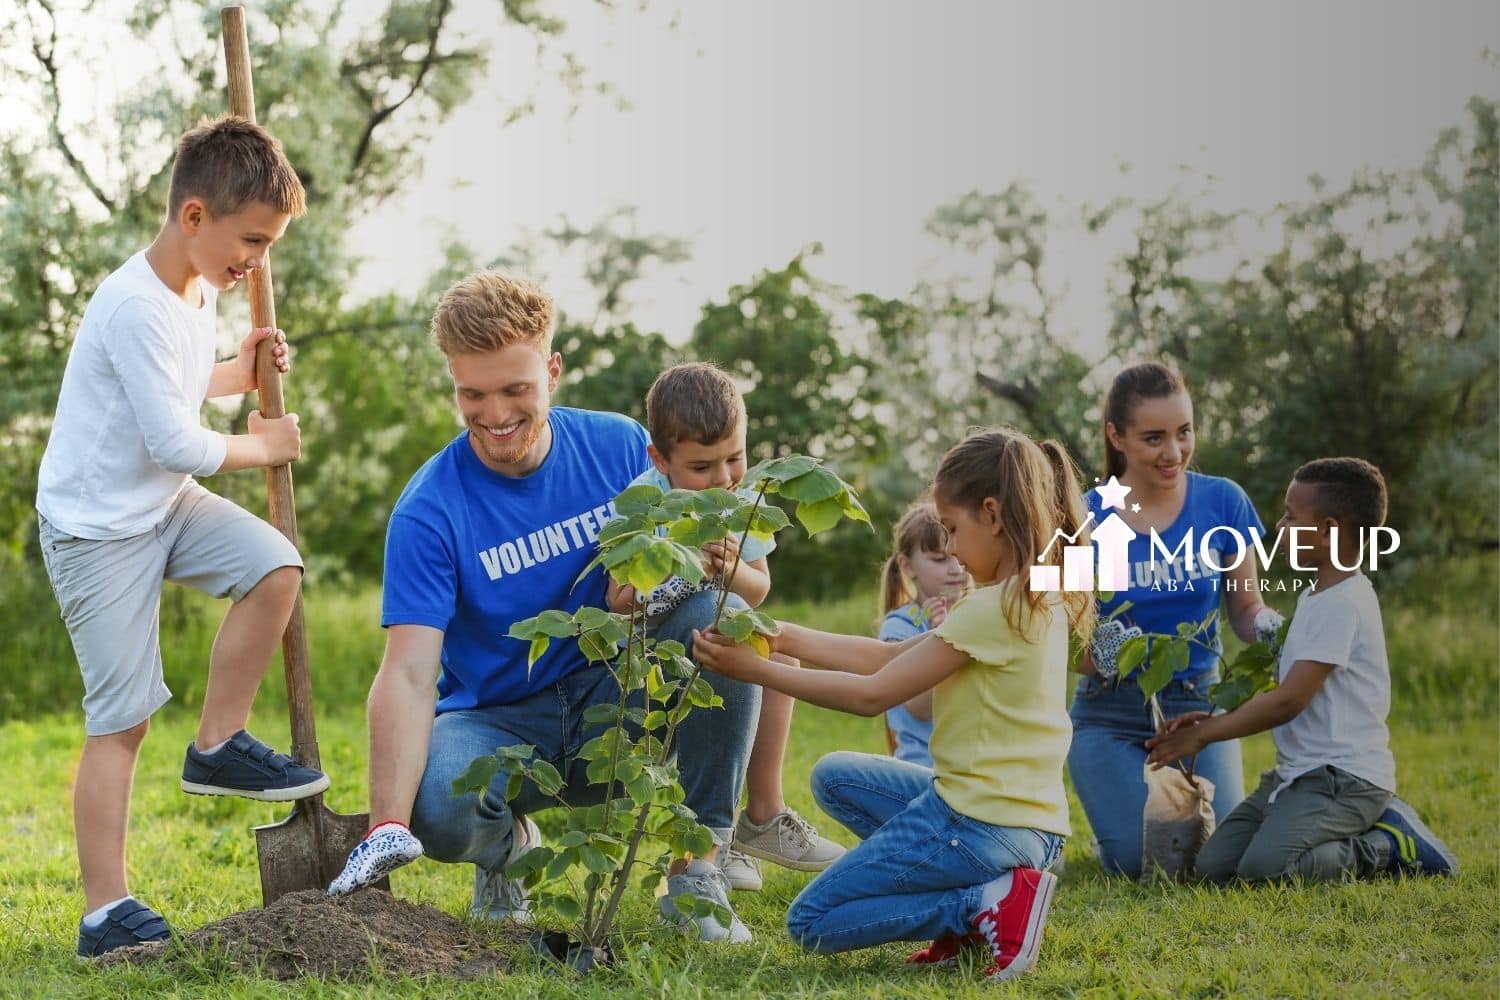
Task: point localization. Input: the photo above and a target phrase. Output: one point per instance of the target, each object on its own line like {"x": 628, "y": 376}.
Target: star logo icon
{"x": 1112, "y": 494}
{"x": 1135, "y": 508}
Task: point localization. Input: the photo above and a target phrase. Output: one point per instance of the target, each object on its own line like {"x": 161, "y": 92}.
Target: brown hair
{"x": 918, "y": 531}
{"x": 490, "y": 310}
{"x": 1036, "y": 488}
{"x": 693, "y": 401}
{"x": 1350, "y": 490}
{"x": 1148, "y": 380}
{"x": 229, "y": 162}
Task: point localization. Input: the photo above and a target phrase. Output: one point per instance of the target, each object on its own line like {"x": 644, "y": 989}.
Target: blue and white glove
{"x": 1268, "y": 622}
{"x": 1108, "y": 638}
{"x": 385, "y": 848}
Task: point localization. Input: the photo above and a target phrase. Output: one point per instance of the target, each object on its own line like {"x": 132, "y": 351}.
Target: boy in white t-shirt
{"x": 1327, "y": 808}
{"x": 119, "y": 510}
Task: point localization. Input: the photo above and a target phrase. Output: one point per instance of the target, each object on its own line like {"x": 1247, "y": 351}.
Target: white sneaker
{"x": 497, "y": 898}
{"x": 702, "y": 881}
{"x": 787, "y": 840}
{"x": 742, "y": 871}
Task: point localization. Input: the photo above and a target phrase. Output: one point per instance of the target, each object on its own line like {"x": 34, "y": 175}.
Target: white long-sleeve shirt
{"x": 128, "y": 432}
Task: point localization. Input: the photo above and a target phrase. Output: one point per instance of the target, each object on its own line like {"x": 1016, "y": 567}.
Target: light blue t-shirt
{"x": 673, "y": 592}
{"x": 912, "y": 734}
{"x": 471, "y": 552}
{"x": 1165, "y": 594}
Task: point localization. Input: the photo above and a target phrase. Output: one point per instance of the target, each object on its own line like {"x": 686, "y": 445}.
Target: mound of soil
{"x": 307, "y": 934}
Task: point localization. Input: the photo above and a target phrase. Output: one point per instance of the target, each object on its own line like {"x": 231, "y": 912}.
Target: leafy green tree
{"x": 1372, "y": 331}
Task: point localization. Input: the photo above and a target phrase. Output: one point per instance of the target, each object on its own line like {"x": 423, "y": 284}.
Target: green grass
{"x": 195, "y": 858}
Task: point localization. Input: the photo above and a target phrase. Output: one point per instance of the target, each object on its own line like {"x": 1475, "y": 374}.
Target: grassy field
{"x": 195, "y": 858}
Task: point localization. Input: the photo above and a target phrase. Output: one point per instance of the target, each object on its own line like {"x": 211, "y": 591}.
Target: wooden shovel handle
{"x": 268, "y": 385}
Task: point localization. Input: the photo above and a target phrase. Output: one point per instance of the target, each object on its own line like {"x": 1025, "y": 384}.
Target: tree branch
{"x": 49, "y": 63}
{"x": 381, "y": 115}
{"x": 1025, "y": 395}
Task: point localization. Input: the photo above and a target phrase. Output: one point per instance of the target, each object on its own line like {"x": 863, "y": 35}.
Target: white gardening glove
{"x": 385, "y": 848}
{"x": 1268, "y": 622}
{"x": 1105, "y": 646}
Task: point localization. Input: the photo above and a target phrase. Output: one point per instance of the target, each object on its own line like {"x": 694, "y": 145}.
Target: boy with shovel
{"x": 119, "y": 510}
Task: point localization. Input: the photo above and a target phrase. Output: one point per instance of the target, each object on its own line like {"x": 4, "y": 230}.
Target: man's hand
{"x": 723, "y": 655}
{"x": 1182, "y": 737}
{"x": 385, "y": 848}
{"x": 281, "y": 436}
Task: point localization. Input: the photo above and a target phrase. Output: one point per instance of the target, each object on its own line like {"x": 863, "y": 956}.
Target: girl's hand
{"x": 719, "y": 557}
{"x": 723, "y": 655}
{"x": 619, "y": 598}
{"x": 1181, "y": 738}
{"x": 935, "y": 610}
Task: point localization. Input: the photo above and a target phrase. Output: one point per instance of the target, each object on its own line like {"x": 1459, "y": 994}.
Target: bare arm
{"x": 920, "y": 707}
{"x": 403, "y": 699}
{"x": 852, "y": 653}
{"x": 270, "y": 442}
{"x": 1189, "y": 734}
{"x": 751, "y": 581}
{"x": 919, "y": 664}
{"x": 1244, "y": 601}
{"x": 238, "y": 374}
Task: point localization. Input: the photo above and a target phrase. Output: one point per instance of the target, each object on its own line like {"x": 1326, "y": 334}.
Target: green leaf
{"x": 655, "y": 719}
{"x": 598, "y": 771}
{"x": 642, "y": 789}
{"x": 779, "y": 470}
{"x": 599, "y": 714}
{"x": 652, "y": 567}
{"x": 558, "y": 624}
{"x": 523, "y": 629}
{"x": 812, "y": 486}
{"x": 547, "y": 778}
{"x": 1132, "y": 653}
{"x": 595, "y": 860}
{"x": 595, "y": 649}
{"x": 737, "y": 626}
{"x": 853, "y": 509}
{"x": 478, "y": 775}
{"x": 700, "y": 840}
{"x": 514, "y": 784}
{"x": 566, "y": 906}
{"x": 819, "y": 517}
{"x": 538, "y": 648}
{"x": 621, "y": 527}
{"x": 637, "y": 499}
{"x": 700, "y": 694}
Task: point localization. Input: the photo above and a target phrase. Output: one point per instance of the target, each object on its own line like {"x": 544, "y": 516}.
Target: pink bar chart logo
{"x": 1080, "y": 569}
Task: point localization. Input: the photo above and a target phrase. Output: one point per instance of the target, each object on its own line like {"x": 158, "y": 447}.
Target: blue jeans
{"x": 1111, "y": 723}
{"x": 713, "y": 751}
{"x": 920, "y": 868}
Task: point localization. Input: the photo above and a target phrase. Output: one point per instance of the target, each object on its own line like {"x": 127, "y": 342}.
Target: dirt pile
{"x": 307, "y": 934}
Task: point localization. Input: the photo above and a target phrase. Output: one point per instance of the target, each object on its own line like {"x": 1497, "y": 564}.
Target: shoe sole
{"x": 1031, "y": 943}
{"x": 783, "y": 861}
{"x": 743, "y": 885}
{"x": 260, "y": 795}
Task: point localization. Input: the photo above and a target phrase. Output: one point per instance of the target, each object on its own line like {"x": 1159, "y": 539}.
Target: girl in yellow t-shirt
{"x": 956, "y": 852}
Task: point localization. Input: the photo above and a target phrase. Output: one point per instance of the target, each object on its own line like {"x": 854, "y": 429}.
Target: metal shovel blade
{"x": 307, "y": 850}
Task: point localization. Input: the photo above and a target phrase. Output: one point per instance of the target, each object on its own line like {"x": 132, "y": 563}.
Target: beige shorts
{"x": 110, "y": 594}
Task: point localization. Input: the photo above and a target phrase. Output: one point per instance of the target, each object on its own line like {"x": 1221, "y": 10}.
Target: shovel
{"x": 308, "y": 848}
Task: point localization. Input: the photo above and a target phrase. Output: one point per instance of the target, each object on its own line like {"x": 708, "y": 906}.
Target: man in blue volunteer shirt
{"x": 493, "y": 529}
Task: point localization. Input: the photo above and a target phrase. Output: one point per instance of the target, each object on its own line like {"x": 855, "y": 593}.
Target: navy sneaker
{"x": 127, "y": 923}
{"x": 1417, "y": 850}
{"x": 247, "y": 767}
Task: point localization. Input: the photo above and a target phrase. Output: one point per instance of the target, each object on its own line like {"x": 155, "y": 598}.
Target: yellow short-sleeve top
{"x": 1000, "y": 726}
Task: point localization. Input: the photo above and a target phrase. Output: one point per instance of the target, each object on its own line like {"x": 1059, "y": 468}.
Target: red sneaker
{"x": 1013, "y": 926}
{"x": 944, "y": 950}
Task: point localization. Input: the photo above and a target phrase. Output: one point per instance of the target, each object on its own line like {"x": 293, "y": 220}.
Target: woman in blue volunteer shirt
{"x": 1148, "y": 427}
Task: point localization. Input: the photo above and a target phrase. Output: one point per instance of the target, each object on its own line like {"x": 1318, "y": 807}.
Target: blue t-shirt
{"x": 471, "y": 552}
{"x": 1164, "y": 594}
{"x": 912, "y": 734}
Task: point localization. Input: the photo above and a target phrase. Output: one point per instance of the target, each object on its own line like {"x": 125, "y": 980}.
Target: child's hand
{"x": 283, "y": 440}
{"x": 723, "y": 655}
{"x": 720, "y": 557}
{"x": 245, "y": 360}
{"x": 1182, "y": 738}
{"x": 619, "y": 598}
{"x": 934, "y": 610}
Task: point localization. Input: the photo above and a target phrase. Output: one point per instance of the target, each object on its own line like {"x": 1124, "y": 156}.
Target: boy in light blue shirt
{"x": 697, "y": 422}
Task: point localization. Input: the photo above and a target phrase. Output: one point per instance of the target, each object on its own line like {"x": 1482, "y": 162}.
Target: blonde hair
{"x": 693, "y": 401}
{"x": 1036, "y": 488}
{"x": 229, "y": 162}
{"x": 490, "y": 310}
{"x": 918, "y": 531}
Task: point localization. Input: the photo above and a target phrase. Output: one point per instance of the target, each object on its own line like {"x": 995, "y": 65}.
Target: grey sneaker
{"x": 497, "y": 898}
{"x": 787, "y": 840}
{"x": 742, "y": 871}
{"x": 702, "y": 883}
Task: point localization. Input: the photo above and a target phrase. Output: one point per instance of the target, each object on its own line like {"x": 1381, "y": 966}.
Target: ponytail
{"x": 893, "y": 589}
{"x": 1072, "y": 517}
